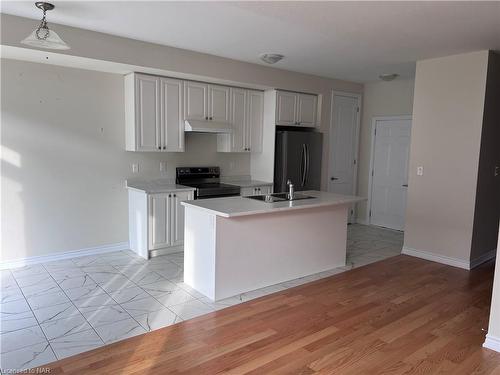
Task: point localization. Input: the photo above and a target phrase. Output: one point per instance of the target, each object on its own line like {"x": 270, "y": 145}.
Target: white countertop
{"x": 246, "y": 183}
{"x": 241, "y": 206}
{"x": 156, "y": 186}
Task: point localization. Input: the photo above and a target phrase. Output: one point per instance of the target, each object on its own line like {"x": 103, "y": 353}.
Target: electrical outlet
{"x": 497, "y": 170}
{"x": 163, "y": 166}
{"x": 420, "y": 171}
{"x": 135, "y": 167}
{"x": 231, "y": 165}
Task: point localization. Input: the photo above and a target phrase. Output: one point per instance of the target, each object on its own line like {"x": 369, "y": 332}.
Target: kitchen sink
{"x": 279, "y": 197}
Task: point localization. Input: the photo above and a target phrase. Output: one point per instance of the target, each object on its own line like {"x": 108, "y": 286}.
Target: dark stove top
{"x": 206, "y": 181}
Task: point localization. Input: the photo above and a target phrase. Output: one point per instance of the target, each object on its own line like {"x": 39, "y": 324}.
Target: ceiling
{"x": 348, "y": 40}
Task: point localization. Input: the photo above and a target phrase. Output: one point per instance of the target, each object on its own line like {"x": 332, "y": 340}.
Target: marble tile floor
{"x": 54, "y": 310}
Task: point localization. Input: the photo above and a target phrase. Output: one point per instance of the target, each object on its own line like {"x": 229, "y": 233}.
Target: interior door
{"x": 218, "y": 103}
{"x": 238, "y": 118}
{"x": 159, "y": 221}
{"x": 195, "y": 101}
{"x": 343, "y": 141}
{"x": 172, "y": 125}
{"x": 147, "y": 112}
{"x": 390, "y": 173}
{"x": 178, "y": 216}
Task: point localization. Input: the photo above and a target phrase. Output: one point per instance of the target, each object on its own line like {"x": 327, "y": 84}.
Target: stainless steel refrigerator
{"x": 298, "y": 158}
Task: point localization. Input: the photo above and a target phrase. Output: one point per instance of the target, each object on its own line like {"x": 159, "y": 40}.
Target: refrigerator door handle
{"x": 303, "y": 164}
{"x": 307, "y": 160}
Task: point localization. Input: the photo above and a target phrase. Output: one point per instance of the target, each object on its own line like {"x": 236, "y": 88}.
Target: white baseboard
{"x": 483, "y": 258}
{"x": 492, "y": 343}
{"x": 455, "y": 262}
{"x": 166, "y": 250}
{"x": 64, "y": 255}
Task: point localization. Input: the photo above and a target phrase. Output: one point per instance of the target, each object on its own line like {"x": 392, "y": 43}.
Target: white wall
{"x": 63, "y": 159}
{"x": 379, "y": 99}
{"x": 493, "y": 336}
{"x": 445, "y": 140}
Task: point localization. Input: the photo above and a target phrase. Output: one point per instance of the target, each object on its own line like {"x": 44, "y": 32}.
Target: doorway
{"x": 388, "y": 183}
{"x": 344, "y": 140}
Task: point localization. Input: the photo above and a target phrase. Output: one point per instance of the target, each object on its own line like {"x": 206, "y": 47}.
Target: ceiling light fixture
{"x": 42, "y": 37}
{"x": 271, "y": 58}
{"x": 388, "y": 77}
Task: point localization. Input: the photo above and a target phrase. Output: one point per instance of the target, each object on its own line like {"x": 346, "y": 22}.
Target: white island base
{"x": 227, "y": 256}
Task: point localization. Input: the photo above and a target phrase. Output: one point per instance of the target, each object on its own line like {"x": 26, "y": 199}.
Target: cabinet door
{"x": 147, "y": 112}
{"x": 286, "y": 108}
{"x": 255, "y": 120}
{"x": 159, "y": 221}
{"x": 238, "y": 119}
{"x": 172, "y": 125}
{"x": 307, "y": 109}
{"x": 196, "y": 101}
{"x": 218, "y": 103}
{"x": 177, "y": 218}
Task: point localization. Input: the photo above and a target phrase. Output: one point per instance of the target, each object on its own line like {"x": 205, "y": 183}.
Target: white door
{"x": 159, "y": 221}
{"x": 344, "y": 143}
{"x": 286, "y": 108}
{"x": 218, "y": 103}
{"x": 147, "y": 101}
{"x": 238, "y": 118}
{"x": 195, "y": 101}
{"x": 172, "y": 126}
{"x": 177, "y": 218}
{"x": 306, "y": 110}
{"x": 390, "y": 172}
{"x": 255, "y": 120}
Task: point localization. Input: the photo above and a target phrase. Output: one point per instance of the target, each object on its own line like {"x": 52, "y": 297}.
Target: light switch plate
{"x": 135, "y": 167}
{"x": 420, "y": 171}
{"x": 163, "y": 166}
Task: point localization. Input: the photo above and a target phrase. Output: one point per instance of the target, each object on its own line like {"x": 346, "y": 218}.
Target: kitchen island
{"x": 238, "y": 244}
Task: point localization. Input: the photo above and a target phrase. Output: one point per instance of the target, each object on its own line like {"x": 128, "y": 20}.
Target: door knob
{"x": 334, "y": 178}
{"x": 405, "y": 185}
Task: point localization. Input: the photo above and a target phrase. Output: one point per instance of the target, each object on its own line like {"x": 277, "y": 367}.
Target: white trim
{"x": 359, "y": 97}
{"x": 455, "y": 262}
{"x": 64, "y": 255}
{"x": 492, "y": 342}
{"x": 483, "y": 258}
{"x": 372, "y": 152}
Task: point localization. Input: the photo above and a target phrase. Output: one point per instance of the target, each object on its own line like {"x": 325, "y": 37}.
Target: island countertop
{"x": 242, "y": 206}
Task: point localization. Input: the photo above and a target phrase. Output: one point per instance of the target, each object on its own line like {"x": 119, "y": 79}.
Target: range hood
{"x": 199, "y": 126}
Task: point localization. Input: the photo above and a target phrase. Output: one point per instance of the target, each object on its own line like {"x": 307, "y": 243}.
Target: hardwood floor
{"x": 402, "y": 315}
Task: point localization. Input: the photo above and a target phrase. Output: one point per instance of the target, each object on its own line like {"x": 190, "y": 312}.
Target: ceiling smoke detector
{"x": 388, "y": 77}
{"x": 271, "y": 58}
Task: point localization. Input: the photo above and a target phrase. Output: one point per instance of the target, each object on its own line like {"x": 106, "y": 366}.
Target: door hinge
{"x": 354, "y": 161}
{"x": 372, "y": 172}
{"x": 375, "y": 131}
{"x": 370, "y": 214}
{"x": 357, "y": 109}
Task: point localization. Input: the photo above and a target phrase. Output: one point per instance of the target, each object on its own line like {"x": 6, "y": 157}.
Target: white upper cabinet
{"x": 195, "y": 101}
{"x": 142, "y": 108}
{"x": 153, "y": 113}
{"x": 296, "y": 109}
{"x": 286, "y": 108}
{"x": 307, "y": 108}
{"x": 247, "y": 120}
{"x": 255, "y": 120}
{"x": 171, "y": 119}
{"x": 238, "y": 120}
{"x": 218, "y": 103}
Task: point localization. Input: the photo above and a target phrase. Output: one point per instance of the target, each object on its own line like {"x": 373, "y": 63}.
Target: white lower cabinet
{"x": 256, "y": 190}
{"x": 156, "y": 221}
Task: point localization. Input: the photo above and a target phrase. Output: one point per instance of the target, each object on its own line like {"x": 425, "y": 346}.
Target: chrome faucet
{"x": 290, "y": 189}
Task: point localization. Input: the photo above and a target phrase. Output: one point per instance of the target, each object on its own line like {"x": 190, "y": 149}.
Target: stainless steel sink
{"x": 279, "y": 197}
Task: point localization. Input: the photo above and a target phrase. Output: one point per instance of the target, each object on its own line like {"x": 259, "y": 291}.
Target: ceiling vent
{"x": 271, "y": 58}
{"x": 388, "y": 77}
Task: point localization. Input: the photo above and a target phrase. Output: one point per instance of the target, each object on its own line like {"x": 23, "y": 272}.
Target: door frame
{"x": 359, "y": 98}
{"x": 372, "y": 155}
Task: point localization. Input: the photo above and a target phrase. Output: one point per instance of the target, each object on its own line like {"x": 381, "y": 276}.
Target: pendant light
{"x": 42, "y": 37}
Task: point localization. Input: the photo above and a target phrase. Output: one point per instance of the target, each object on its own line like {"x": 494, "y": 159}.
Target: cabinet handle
{"x": 206, "y": 118}
{"x": 210, "y": 118}
{"x": 175, "y": 195}
{"x": 164, "y": 147}
{"x": 159, "y": 147}
{"x": 169, "y": 196}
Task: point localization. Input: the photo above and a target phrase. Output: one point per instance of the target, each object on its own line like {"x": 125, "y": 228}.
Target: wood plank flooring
{"x": 402, "y": 315}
